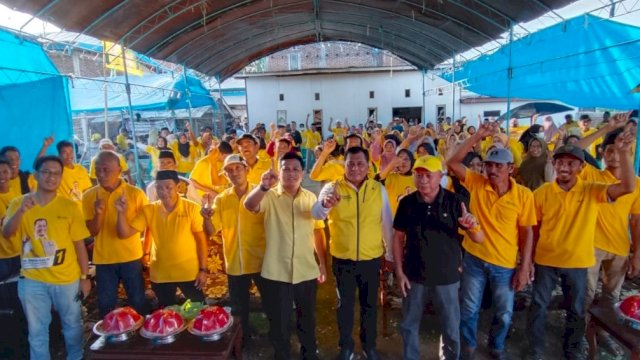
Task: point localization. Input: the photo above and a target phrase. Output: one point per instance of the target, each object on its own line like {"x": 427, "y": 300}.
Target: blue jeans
{"x": 475, "y": 275}
{"x": 574, "y": 289}
{"x": 108, "y": 278}
{"x": 445, "y": 300}
{"x": 37, "y": 299}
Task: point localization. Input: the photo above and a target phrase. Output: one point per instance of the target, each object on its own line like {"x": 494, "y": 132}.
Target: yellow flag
{"x": 114, "y": 59}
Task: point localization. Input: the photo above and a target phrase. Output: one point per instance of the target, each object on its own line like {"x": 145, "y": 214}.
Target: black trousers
{"x": 239, "y": 286}
{"x": 278, "y": 299}
{"x": 166, "y": 292}
{"x": 13, "y": 332}
{"x": 363, "y": 275}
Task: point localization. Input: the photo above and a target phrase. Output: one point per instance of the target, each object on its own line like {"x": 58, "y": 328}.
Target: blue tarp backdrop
{"x": 586, "y": 61}
{"x": 33, "y": 98}
{"x": 148, "y": 92}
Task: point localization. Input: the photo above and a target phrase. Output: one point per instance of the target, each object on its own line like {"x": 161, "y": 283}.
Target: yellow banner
{"x": 114, "y": 59}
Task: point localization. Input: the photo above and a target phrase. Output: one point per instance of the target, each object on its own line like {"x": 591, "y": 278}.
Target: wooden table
{"x": 607, "y": 320}
{"x": 186, "y": 346}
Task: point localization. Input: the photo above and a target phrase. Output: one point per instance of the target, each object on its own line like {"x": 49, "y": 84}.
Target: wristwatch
{"x": 85, "y": 277}
{"x": 263, "y": 188}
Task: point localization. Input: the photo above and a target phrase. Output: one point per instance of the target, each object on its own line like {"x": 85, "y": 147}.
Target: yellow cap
{"x": 429, "y": 163}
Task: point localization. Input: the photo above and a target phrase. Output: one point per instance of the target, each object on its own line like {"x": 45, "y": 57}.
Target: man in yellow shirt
{"x": 179, "y": 246}
{"x": 327, "y": 166}
{"x": 310, "y": 139}
{"x": 360, "y": 224}
{"x": 242, "y": 237}
{"x": 506, "y": 214}
{"x": 117, "y": 260}
{"x": 585, "y": 130}
{"x": 54, "y": 259}
{"x": 338, "y": 132}
{"x": 290, "y": 272}
{"x": 249, "y": 146}
{"x": 75, "y": 178}
{"x": 107, "y": 145}
{"x": 167, "y": 161}
{"x": 567, "y": 210}
{"x": 21, "y": 181}
{"x": 13, "y": 339}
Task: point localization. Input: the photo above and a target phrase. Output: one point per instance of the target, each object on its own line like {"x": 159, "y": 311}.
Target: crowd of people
{"x": 449, "y": 210}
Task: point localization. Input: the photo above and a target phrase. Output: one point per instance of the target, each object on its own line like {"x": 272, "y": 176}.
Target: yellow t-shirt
{"x": 338, "y": 135}
{"x": 516, "y": 132}
{"x": 517, "y": 149}
{"x": 46, "y": 234}
{"x": 74, "y": 182}
{"x": 92, "y": 167}
{"x": 109, "y": 248}
{"x": 255, "y": 172}
{"x": 185, "y": 163}
{"x": 568, "y": 223}
{"x": 14, "y": 185}
{"x": 592, "y": 146}
{"x": 310, "y": 139}
{"x": 242, "y": 232}
{"x": 174, "y": 255}
{"x": 290, "y": 245}
{"x": 204, "y": 171}
{"x": 499, "y": 217}
{"x": 612, "y": 226}
{"x": 397, "y": 186}
{"x": 121, "y": 142}
{"x": 332, "y": 170}
{"x": 8, "y": 247}
{"x": 154, "y": 153}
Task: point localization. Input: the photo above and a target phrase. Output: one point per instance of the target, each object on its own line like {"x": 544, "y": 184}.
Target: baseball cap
{"x": 429, "y": 163}
{"x": 104, "y": 142}
{"x": 233, "y": 159}
{"x": 570, "y": 150}
{"x": 247, "y": 136}
{"x": 585, "y": 117}
{"x": 499, "y": 156}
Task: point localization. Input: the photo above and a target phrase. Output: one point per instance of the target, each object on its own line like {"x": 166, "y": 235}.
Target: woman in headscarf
{"x": 388, "y": 153}
{"x": 550, "y": 129}
{"x": 186, "y": 154}
{"x": 512, "y": 145}
{"x": 536, "y": 168}
{"x": 534, "y": 131}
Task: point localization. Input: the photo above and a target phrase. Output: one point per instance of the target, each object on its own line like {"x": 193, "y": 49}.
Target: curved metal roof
{"x": 219, "y": 37}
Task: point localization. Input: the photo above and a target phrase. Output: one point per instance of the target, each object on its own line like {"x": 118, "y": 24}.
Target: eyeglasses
{"x": 49, "y": 173}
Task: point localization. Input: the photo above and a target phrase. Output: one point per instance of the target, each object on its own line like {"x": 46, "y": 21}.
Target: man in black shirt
{"x": 426, "y": 249}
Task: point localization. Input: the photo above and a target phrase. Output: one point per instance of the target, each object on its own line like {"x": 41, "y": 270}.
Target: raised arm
{"x": 12, "y": 223}
{"x": 454, "y": 161}
{"x": 306, "y": 121}
{"x": 615, "y": 122}
{"x": 627, "y": 183}
{"x": 327, "y": 149}
{"x": 330, "y": 123}
{"x": 45, "y": 145}
{"x": 268, "y": 180}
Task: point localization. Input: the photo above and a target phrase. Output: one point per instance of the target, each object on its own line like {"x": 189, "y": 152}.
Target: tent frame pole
{"x": 509, "y": 76}
{"x": 188, "y": 94}
{"x": 220, "y": 114}
{"x": 138, "y": 179}
{"x": 453, "y": 90}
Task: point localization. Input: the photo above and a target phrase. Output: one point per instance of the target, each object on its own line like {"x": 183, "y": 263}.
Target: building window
{"x": 281, "y": 97}
{"x": 491, "y": 113}
{"x": 294, "y": 61}
{"x": 316, "y": 96}
{"x": 407, "y": 93}
{"x": 372, "y": 94}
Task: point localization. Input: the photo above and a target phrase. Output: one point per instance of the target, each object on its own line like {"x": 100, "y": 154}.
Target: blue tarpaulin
{"x": 586, "y": 61}
{"x": 148, "y": 92}
{"x": 33, "y": 98}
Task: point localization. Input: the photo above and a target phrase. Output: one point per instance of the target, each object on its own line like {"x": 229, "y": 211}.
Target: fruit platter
{"x": 628, "y": 311}
{"x": 162, "y": 326}
{"x": 211, "y": 323}
{"x": 119, "y": 324}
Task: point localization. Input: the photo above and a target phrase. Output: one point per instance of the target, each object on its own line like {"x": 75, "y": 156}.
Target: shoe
{"x": 346, "y": 354}
{"x": 371, "y": 354}
{"x": 467, "y": 353}
{"x": 498, "y": 354}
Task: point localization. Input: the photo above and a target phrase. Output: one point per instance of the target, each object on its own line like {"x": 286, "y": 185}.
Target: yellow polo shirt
{"x": 50, "y": 259}
{"x": 310, "y": 139}
{"x": 338, "y": 134}
{"x": 397, "y": 186}
{"x": 290, "y": 242}
{"x": 184, "y": 163}
{"x": 109, "y": 248}
{"x": 92, "y": 167}
{"x": 74, "y": 182}
{"x": 204, "y": 172}
{"x": 174, "y": 254}
{"x": 500, "y": 217}
{"x": 242, "y": 233}
{"x": 516, "y": 132}
{"x": 8, "y": 247}
{"x": 568, "y": 223}
{"x": 331, "y": 170}
{"x": 254, "y": 175}
{"x": 612, "y": 225}
{"x": 16, "y": 189}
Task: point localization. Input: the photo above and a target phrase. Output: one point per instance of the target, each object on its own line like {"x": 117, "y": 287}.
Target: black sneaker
{"x": 371, "y": 354}
{"x": 346, "y": 354}
{"x": 498, "y": 354}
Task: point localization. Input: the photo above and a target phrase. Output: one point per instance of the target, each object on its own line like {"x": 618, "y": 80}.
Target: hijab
{"x": 531, "y": 171}
{"x": 183, "y": 149}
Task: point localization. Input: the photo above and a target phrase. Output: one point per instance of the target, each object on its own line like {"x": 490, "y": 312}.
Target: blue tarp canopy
{"x": 148, "y": 92}
{"x": 586, "y": 61}
{"x": 33, "y": 98}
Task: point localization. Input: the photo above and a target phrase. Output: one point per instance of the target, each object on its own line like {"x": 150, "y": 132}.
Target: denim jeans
{"x": 445, "y": 300}
{"x": 37, "y": 299}
{"x": 108, "y": 278}
{"x": 475, "y": 274}
{"x": 574, "y": 289}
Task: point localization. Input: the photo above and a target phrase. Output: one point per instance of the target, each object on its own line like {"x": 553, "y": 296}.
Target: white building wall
{"x": 347, "y": 95}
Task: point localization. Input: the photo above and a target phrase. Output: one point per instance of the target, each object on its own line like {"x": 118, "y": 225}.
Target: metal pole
{"x": 509, "y": 76}
{"x": 453, "y": 90}
{"x": 188, "y": 94}
{"x": 636, "y": 161}
{"x": 127, "y": 86}
{"x": 424, "y": 106}
{"x": 220, "y": 114}
{"x": 106, "y": 105}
